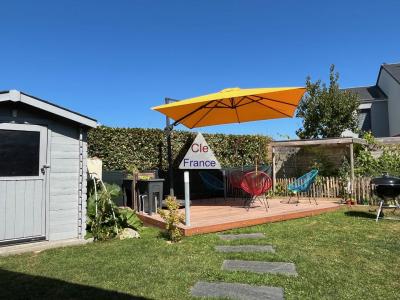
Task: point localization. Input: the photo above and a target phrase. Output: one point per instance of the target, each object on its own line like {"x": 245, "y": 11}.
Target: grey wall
{"x": 67, "y": 179}
{"x": 392, "y": 89}
{"x": 379, "y": 118}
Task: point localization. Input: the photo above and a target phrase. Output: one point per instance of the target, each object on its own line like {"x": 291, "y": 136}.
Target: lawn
{"x": 340, "y": 255}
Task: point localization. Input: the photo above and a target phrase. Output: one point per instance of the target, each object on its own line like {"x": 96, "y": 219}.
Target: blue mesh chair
{"x": 211, "y": 183}
{"x": 303, "y": 184}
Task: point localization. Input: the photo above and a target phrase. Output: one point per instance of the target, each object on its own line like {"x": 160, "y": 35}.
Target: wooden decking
{"x": 213, "y": 216}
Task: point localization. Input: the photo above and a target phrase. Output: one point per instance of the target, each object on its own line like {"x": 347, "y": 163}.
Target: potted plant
{"x": 131, "y": 171}
{"x": 350, "y": 201}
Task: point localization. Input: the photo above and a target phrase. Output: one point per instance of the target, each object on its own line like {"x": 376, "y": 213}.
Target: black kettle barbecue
{"x": 387, "y": 188}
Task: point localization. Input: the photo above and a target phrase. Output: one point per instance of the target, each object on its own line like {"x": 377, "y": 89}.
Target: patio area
{"x": 219, "y": 215}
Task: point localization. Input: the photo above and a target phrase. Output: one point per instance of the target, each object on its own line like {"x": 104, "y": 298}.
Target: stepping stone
{"x": 260, "y": 267}
{"x": 237, "y": 291}
{"x": 245, "y": 248}
{"x": 228, "y": 237}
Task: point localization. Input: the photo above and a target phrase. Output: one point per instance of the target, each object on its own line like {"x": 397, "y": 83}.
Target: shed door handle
{"x": 43, "y": 169}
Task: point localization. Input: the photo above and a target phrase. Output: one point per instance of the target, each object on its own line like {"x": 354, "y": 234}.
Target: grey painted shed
{"x": 43, "y": 155}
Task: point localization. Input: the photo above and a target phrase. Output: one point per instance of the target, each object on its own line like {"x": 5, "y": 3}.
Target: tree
{"x": 327, "y": 111}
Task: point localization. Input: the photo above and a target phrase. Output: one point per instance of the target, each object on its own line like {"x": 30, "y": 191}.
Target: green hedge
{"x": 146, "y": 148}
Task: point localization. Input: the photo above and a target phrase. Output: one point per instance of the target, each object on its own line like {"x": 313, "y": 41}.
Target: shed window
{"x": 19, "y": 153}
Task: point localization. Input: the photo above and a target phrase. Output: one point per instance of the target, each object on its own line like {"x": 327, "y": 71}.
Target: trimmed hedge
{"x": 146, "y": 148}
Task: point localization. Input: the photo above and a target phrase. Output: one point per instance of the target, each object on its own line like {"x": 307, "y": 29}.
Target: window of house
{"x": 364, "y": 119}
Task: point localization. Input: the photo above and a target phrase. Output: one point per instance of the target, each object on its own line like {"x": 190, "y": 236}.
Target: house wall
{"x": 392, "y": 89}
{"x": 379, "y": 118}
{"x": 67, "y": 173}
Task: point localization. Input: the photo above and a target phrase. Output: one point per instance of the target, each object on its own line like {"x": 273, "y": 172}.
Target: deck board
{"x": 220, "y": 215}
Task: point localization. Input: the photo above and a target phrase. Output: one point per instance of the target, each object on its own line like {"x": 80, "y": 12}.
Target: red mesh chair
{"x": 235, "y": 178}
{"x": 256, "y": 184}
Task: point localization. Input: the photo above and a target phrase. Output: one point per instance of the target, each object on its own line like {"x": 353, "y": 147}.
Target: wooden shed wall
{"x": 67, "y": 218}
{"x": 67, "y": 174}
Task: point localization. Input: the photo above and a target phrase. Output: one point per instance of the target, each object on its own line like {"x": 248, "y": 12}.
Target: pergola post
{"x": 273, "y": 169}
{"x": 352, "y": 162}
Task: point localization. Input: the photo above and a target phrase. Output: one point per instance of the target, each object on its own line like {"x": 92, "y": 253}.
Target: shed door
{"x": 23, "y": 167}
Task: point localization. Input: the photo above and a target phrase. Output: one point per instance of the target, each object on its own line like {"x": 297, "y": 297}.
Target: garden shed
{"x": 43, "y": 155}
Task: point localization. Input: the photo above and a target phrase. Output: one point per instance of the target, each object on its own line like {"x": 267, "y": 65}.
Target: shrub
{"x": 385, "y": 159}
{"x": 280, "y": 191}
{"x": 127, "y": 218}
{"x": 108, "y": 220}
{"x": 172, "y": 218}
{"x": 122, "y": 148}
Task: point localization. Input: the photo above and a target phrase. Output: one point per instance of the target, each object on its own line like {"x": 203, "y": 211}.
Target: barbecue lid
{"x": 386, "y": 179}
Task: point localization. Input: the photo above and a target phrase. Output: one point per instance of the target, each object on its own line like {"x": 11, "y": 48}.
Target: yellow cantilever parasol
{"x": 234, "y": 105}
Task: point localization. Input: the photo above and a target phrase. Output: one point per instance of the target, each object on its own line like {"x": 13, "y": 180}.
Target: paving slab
{"x": 228, "y": 237}
{"x": 260, "y": 267}
{"x": 237, "y": 291}
{"x": 245, "y": 248}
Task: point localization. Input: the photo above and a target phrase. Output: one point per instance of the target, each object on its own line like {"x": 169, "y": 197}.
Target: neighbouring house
{"x": 380, "y": 103}
{"x": 43, "y": 161}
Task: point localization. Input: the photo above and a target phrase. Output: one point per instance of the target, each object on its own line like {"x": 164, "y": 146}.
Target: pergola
{"x": 347, "y": 142}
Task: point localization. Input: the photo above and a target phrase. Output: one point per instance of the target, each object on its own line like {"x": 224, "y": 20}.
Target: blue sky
{"x": 113, "y": 60}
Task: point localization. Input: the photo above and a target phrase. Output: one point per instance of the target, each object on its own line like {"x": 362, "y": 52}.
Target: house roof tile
{"x": 394, "y": 70}
{"x": 368, "y": 93}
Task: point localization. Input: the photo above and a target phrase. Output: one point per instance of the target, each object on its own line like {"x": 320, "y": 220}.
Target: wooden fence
{"x": 330, "y": 187}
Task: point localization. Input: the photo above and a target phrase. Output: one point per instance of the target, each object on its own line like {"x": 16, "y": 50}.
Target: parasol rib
{"x": 273, "y": 109}
{"x": 237, "y": 115}
{"x": 236, "y": 112}
{"x": 191, "y": 113}
{"x": 199, "y": 120}
{"x": 270, "y": 99}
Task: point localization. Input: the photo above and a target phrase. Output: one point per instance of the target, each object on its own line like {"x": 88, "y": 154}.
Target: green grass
{"x": 340, "y": 255}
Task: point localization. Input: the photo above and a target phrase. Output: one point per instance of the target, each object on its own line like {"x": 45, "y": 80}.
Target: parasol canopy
{"x": 234, "y": 105}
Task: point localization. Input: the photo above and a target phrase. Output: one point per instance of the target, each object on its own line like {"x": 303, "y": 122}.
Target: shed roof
{"x": 17, "y": 96}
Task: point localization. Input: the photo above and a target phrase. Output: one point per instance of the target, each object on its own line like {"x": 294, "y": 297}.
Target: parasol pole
{"x": 168, "y": 131}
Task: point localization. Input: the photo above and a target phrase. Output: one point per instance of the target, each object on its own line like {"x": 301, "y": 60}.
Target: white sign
{"x": 199, "y": 156}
